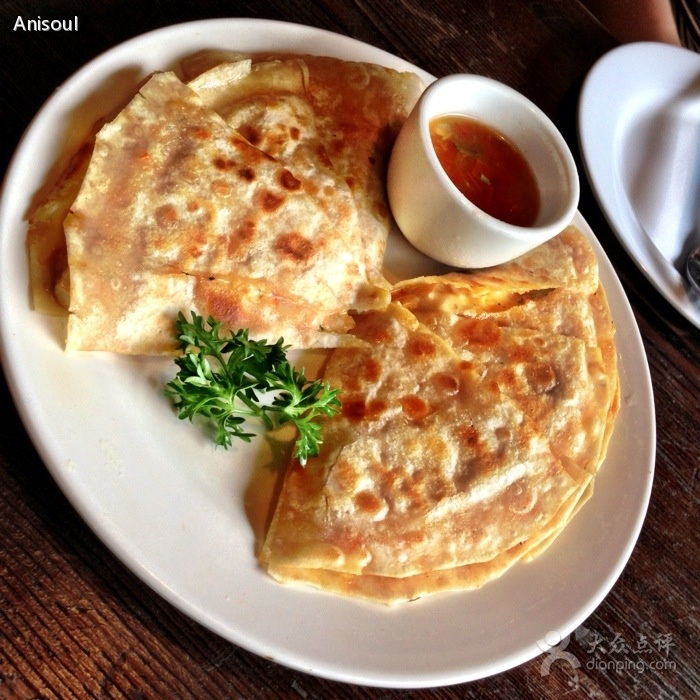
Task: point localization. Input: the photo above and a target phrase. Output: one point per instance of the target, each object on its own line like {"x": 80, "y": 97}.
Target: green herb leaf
{"x": 227, "y": 381}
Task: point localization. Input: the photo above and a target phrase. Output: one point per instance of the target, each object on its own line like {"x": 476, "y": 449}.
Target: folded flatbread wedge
{"x": 179, "y": 211}
{"x": 428, "y": 468}
{"x": 475, "y": 418}
{"x": 549, "y": 344}
{"x": 541, "y": 328}
{"x": 358, "y": 110}
{"x": 46, "y": 240}
{"x": 283, "y": 239}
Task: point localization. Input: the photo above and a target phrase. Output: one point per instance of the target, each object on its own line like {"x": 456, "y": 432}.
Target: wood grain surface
{"x": 75, "y": 623}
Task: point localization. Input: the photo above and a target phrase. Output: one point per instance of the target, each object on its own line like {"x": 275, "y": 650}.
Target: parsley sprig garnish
{"x": 228, "y": 380}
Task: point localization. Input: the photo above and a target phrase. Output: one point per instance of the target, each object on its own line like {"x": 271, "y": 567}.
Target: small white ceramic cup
{"x": 436, "y": 217}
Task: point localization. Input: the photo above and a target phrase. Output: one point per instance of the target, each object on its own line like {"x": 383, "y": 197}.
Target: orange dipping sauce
{"x": 486, "y": 168}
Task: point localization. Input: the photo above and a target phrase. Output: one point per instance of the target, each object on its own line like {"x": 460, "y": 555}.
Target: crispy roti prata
{"x": 567, "y": 306}
{"x": 543, "y": 332}
{"x": 467, "y": 381}
{"x": 359, "y": 108}
{"x": 428, "y": 467}
{"x": 270, "y": 104}
{"x": 177, "y": 210}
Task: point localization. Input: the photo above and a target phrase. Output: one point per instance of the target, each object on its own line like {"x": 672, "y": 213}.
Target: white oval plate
{"x": 174, "y": 509}
{"x": 639, "y": 130}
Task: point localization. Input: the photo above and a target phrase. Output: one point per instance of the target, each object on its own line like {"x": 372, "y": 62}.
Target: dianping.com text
{"x": 630, "y": 665}
{"x": 614, "y": 654}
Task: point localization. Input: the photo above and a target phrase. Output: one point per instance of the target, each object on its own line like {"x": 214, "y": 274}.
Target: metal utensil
{"x": 692, "y": 268}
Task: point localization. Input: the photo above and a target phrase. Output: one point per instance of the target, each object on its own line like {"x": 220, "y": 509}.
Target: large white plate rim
{"x": 628, "y": 79}
{"x": 445, "y": 640}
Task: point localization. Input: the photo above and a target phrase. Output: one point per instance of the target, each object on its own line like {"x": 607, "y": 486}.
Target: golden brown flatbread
{"x": 475, "y": 418}
{"x": 283, "y": 239}
{"x": 428, "y": 467}
{"x": 358, "y": 109}
{"x": 562, "y": 302}
{"x": 178, "y": 210}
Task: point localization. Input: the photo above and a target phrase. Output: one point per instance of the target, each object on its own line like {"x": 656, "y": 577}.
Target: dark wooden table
{"x": 75, "y": 623}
